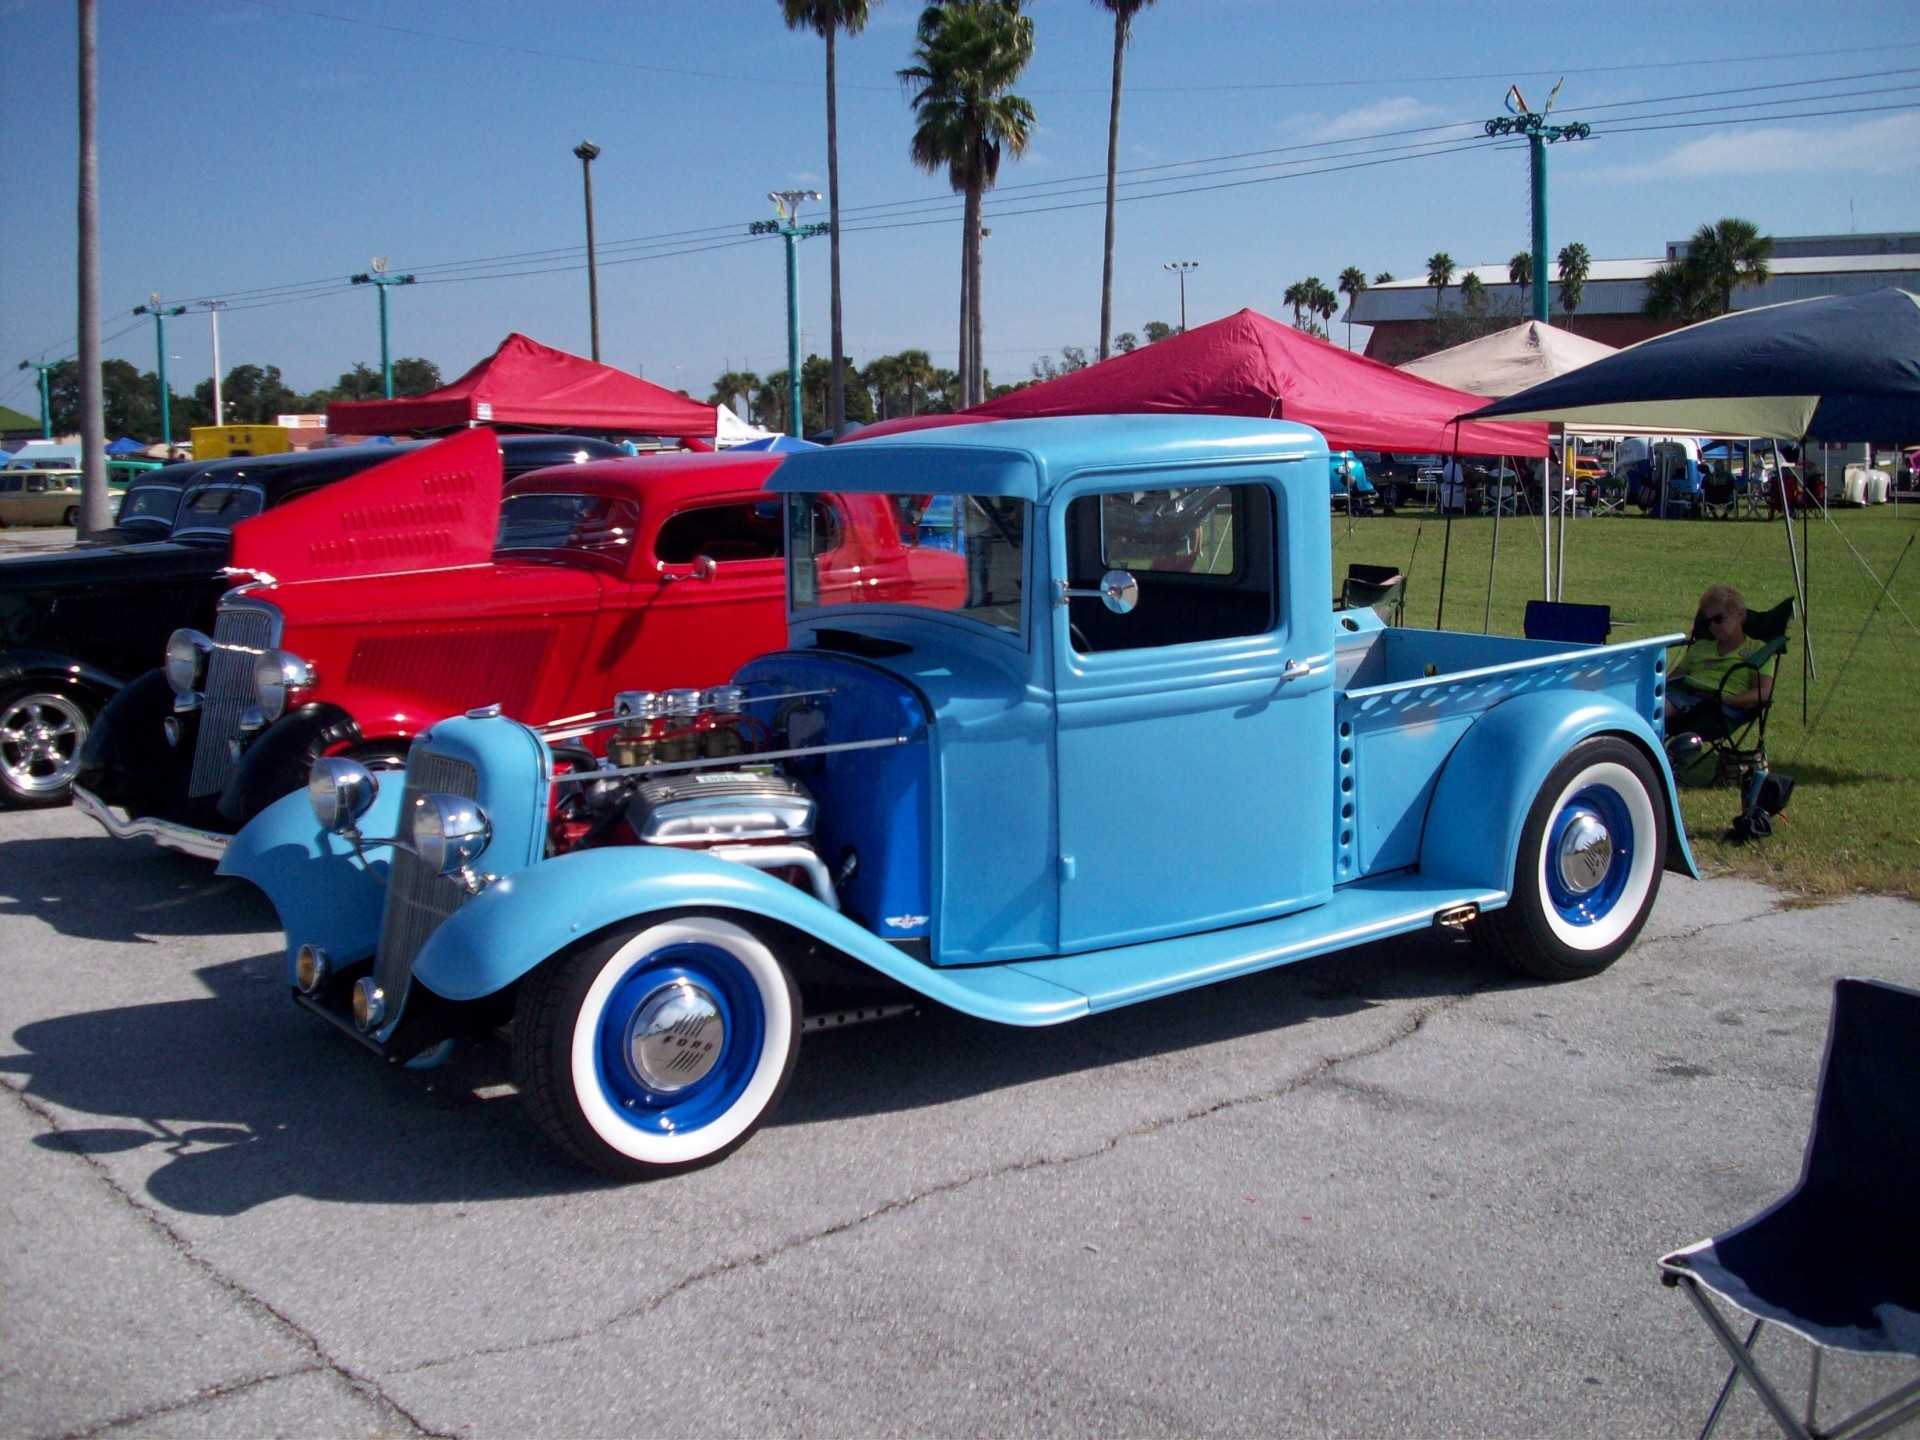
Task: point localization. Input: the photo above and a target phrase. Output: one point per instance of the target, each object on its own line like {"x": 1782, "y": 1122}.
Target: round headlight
{"x": 187, "y": 652}
{"x": 340, "y": 792}
{"x": 449, "y": 832}
{"x": 276, "y": 674}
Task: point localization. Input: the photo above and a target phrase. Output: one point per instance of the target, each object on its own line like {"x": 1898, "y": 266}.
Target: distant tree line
{"x": 249, "y": 395}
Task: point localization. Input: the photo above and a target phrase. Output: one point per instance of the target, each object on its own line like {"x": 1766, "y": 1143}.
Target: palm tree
{"x": 1353, "y": 284}
{"x": 735, "y": 385}
{"x": 967, "y": 54}
{"x": 1473, "y": 290}
{"x": 1675, "y": 292}
{"x": 1439, "y": 276}
{"x": 1385, "y": 277}
{"x": 1573, "y": 277}
{"x": 1296, "y": 296}
{"x": 1322, "y": 301}
{"x": 825, "y": 18}
{"x": 1123, "y": 13}
{"x": 1520, "y": 273}
{"x": 1728, "y": 255}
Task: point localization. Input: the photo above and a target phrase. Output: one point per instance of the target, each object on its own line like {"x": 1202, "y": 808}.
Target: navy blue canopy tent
{"x": 1841, "y": 368}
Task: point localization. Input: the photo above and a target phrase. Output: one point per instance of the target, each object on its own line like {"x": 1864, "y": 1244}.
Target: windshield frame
{"x": 183, "y": 529}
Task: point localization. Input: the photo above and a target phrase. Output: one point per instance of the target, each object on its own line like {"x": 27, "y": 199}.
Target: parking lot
{"x": 1390, "y": 1193}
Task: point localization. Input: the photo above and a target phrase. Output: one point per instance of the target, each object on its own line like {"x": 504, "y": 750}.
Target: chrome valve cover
{"x": 721, "y": 807}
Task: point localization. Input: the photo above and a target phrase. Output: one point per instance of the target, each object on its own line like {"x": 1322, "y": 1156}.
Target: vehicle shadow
{"x": 251, "y": 1100}
{"x": 96, "y": 888}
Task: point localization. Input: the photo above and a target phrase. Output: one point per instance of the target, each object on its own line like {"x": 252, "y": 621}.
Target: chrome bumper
{"x": 205, "y": 844}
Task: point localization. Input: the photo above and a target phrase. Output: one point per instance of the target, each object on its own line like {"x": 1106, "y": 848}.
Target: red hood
{"x": 426, "y": 509}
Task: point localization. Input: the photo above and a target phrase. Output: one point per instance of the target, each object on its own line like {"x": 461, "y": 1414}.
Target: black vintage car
{"x": 77, "y": 625}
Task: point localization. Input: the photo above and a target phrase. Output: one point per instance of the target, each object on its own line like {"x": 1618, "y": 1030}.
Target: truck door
{"x": 1193, "y": 734}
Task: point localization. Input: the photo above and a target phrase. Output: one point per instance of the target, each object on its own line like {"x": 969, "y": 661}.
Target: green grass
{"x": 1854, "y": 822}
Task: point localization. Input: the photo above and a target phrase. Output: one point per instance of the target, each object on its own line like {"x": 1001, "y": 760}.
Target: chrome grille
{"x": 239, "y": 636}
{"x": 418, "y": 901}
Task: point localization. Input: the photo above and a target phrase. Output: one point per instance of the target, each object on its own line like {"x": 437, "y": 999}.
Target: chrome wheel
{"x": 41, "y": 732}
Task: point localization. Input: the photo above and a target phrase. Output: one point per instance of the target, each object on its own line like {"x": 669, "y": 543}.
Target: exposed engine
{"x": 660, "y": 785}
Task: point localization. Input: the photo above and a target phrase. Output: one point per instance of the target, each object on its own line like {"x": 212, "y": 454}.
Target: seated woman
{"x": 1694, "y": 699}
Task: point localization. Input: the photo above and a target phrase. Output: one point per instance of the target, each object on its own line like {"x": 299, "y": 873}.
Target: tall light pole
{"x": 213, "y": 309}
{"x": 1522, "y": 121}
{"x": 786, "y": 204}
{"x": 1180, "y": 268}
{"x": 160, "y": 313}
{"x": 380, "y": 280}
{"x": 588, "y": 153}
{"x": 94, "y": 513}
{"x": 46, "y": 395}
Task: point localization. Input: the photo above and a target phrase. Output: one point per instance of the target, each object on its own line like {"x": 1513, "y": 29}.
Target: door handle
{"x": 1300, "y": 669}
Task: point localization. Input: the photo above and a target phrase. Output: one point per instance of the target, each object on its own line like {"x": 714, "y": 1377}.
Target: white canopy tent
{"x": 732, "y": 430}
{"x": 1508, "y": 361}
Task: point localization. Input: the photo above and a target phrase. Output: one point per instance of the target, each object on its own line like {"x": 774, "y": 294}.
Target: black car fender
{"x": 128, "y": 760}
{"x": 278, "y": 760}
{"x": 61, "y": 672}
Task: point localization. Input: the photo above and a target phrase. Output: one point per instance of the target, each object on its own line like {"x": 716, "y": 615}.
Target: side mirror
{"x": 1118, "y": 591}
{"x": 700, "y": 568}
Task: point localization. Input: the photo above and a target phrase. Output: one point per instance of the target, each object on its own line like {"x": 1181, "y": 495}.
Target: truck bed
{"x": 1407, "y": 696}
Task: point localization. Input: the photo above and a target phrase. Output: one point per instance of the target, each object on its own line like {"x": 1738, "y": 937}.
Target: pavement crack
{"x": 1318, "y": 1070}
{"x": 247, "y": 1299}
{"x": 199, "y": 1397}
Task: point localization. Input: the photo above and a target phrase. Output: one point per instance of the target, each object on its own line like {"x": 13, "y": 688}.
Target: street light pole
{"x": 1523, "y": 121}
{"x": 160, "y": 313}
{"x": 786, "y": 204}
{"x": 588, "y": 153}
{"x": 380, "y": 280}
{"x": 46, "y": 395}
{"x": 213, "y": 309}
{"x": 1180, "y": 268}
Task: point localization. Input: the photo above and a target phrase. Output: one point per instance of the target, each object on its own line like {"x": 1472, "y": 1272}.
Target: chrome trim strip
{"x": 202, "y": 844}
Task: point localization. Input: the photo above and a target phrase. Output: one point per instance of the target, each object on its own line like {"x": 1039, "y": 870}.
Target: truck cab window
{"x": 744, "y": 530}
{"x": 1205, "y": 557}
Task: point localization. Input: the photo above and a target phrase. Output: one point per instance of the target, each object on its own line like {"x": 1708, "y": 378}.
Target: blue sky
{"x": 250, "y": 144}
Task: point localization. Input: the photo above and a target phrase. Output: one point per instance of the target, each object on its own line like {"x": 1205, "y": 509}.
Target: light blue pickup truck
{"x": 1140, "y": 754}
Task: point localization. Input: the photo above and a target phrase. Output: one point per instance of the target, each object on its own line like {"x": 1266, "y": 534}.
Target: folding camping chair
{"x": 1718, "y": 496}
{"x": 1736, "y": 739}
{"x": 1567, "y": 623}
{"x": 1610, "y": 498}
{"x": 1837, "y": 1258}
{"x": 1380, "y": 586}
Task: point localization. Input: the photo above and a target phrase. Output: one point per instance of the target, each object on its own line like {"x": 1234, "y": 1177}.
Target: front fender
{"x": 1480, "y": 803}
{"x": 503, "y": 933}
{"x": 323, "y": 894}
{"x": 64, "y": 672}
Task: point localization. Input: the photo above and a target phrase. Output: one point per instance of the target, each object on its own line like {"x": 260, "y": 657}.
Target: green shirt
{"x": 1702, "y": 669}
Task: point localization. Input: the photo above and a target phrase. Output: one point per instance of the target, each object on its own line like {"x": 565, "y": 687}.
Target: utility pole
{"x": 380, "y": 280}
{"x": 786, "y": 204}
{"x": 213, "y": 309}
{"x": 94, "y": 511}
{"x": 1521, "y": 121}
{"x": 1180, "y": 268}
{"x": 46, "y": 395}
{"x": 588, "y": 152}
{"x": 160, "y": 313}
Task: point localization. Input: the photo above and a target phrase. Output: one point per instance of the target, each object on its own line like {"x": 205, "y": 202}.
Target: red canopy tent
{"x": 527, "y": 383}
{"x": 1248, "y": 364}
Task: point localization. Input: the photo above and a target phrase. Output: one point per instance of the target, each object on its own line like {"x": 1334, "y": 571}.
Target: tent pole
{"x": 1493, "y": 565}
{"x": 1446, "y": 543}
{"x": 1546, "y": 545}
{"x": 1560, "y": 511}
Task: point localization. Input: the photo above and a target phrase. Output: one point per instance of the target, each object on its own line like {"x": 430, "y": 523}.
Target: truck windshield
{"x": 961, "y": 554}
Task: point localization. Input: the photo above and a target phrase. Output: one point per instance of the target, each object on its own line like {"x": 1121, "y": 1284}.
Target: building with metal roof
{"x": 1803, "y": 267}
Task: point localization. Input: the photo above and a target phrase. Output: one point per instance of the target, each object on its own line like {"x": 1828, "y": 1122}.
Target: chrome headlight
{"x": 187, "y": 652}
{"x": 449, "y": 832}
{"x": 340, "y": 792}
{"x": 276, "y": 675}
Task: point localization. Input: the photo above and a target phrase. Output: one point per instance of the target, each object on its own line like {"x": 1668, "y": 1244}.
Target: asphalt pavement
{"x": 1395, "y": 1192}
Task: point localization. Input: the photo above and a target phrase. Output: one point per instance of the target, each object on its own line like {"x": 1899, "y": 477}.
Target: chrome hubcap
{"x": 40, "y": 739}
{"x": 675, "y": 1037}
{"x": 1586, "y": 850}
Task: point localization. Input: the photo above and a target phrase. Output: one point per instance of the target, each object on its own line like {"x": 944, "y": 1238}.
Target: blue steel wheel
{"x": 1591, "y": 856}
{"x": 660, "y": 1048}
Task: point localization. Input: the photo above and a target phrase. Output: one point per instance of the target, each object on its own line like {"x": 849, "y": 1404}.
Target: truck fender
{"x": 278, "y": 760}
{"x": 321, "y": 891}
{"x": 127, "y": 760}
{"x": 517, "y": 923}
{"x": 1480, "y": 802}
{"x": 61, "y": 672}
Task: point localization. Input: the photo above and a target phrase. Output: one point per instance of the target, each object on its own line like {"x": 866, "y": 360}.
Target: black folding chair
{"x": 1737, "y": 743}
{"x": 1569, "y": 624}
{"x": 1837, "y": 1258}
{"x": 1381, "y": 586}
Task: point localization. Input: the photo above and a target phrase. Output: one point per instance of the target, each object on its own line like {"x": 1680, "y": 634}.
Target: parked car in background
{"x": 39, "y": 497}
{"x": 585, "y": 579}
{"x": 78, "y": 624}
